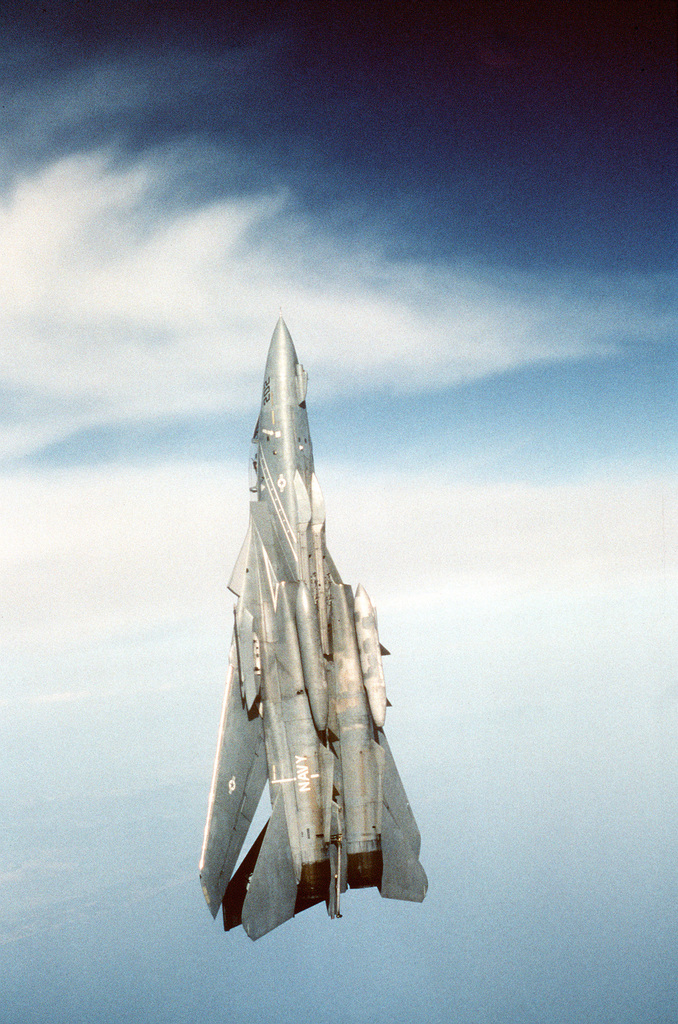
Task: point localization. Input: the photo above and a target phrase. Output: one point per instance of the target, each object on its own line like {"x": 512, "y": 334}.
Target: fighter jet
{"x": 305, "y": 702}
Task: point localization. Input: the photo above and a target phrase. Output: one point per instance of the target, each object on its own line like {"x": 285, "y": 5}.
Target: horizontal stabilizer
{"x": 272, "y": 894}
{"x": 403, "y": 877}
{"x": 395, "y": 798}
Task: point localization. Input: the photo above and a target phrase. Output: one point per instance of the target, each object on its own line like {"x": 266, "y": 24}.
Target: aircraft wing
{"x": 237, "y": 784}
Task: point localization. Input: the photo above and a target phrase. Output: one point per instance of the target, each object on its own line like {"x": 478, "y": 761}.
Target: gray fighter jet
{"x": 304, "y": 705}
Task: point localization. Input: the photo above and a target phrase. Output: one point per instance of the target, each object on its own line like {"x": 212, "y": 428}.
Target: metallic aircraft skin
{"x": 304, "y": 704}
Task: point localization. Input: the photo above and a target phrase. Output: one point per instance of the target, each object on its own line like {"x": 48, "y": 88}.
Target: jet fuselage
{"x": 304, "y": 704}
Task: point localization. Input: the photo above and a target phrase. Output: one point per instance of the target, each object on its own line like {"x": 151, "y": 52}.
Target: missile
{"x": 370, "y": 655}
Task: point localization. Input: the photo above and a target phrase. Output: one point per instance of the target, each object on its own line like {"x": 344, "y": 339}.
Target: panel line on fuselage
{"x": 277, "y": 505}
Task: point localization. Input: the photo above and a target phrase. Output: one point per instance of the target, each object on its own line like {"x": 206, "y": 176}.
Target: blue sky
{"x": 468, "y": 218}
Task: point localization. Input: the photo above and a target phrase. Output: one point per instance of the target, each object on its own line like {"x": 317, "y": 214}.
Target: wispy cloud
{"x": 118, "y": 305}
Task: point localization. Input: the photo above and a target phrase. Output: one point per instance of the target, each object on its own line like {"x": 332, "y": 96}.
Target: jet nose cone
{"x": 281, "y": 335}
{"x": 282, "y": 357}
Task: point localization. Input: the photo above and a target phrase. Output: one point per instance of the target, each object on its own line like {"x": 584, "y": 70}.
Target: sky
{"x": 467, "y": 216}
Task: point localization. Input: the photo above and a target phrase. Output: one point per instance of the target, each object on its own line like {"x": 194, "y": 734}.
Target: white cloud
{"x": 418, "y": 535}
{"x": 112, "y": 307}
{"x": 106, "y": 552}
{"x": 124, "y": 550}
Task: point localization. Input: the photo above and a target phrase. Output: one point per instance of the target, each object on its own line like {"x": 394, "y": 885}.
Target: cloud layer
{"x": 118, "y": 305}
{"x": 125, "y": 550}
